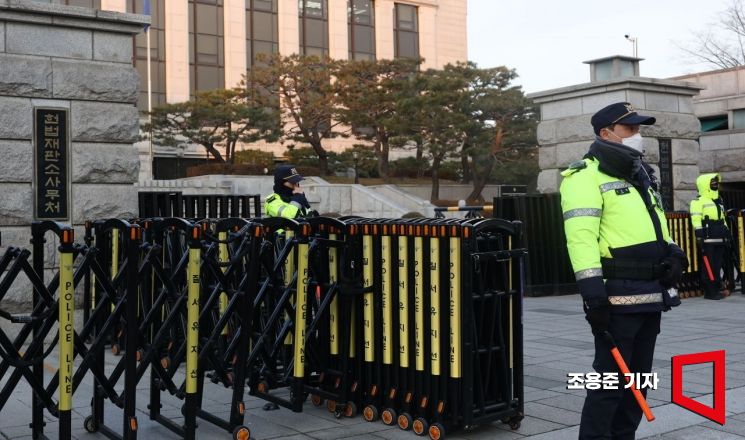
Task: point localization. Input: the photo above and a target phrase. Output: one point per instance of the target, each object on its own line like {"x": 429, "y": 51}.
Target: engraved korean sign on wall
{"x": 51, "y": 164}
{"x": 666, "y": 173}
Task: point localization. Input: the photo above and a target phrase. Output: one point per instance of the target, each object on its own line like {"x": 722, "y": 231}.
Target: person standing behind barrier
{"x": 624, "y": 260}
{"x": 708, "y": 219}
{"x": 288, "y": 199}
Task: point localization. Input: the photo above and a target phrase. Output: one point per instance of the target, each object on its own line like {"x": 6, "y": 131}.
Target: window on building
{"x": 157, "y": 52}
{"x": 406, "y": 31}
{"x": 361, "y": 27}
{"x": 262, "y": 36}
{"x": 738, "y": 119}
{"x": 714, "y": 123}
{"x": 94, "y": 4}
{"x": 206, "y": 45}
{"x": 314, "y": 27}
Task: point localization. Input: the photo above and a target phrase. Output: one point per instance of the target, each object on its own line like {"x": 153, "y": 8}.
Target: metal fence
{"x": 175, "y": 204}
{"x": 549, "y": 267}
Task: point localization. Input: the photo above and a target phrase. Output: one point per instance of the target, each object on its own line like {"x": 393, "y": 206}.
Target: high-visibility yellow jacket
{"x": 708, "y": 204}
{"x": 605, "y": 217}
{"x": 275, "y": 206}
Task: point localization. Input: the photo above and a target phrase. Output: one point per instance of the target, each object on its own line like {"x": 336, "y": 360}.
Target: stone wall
{"x": 565, "y": 134}
{"x": 79, "y": 59}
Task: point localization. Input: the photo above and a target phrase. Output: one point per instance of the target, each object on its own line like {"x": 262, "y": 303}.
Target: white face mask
{"x": 636, "y": 142}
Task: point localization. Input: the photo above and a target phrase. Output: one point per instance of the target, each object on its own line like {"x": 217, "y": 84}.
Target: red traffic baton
{"x": 640, "y": 400}
{"x": 708, "y": 267}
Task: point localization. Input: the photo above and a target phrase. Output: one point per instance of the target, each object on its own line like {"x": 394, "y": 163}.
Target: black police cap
{"x": 287, "y": 173}
{"x": 619, "y": 113}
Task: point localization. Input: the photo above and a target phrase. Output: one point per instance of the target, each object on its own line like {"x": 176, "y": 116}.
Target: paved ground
{"x": 557, "y": 341}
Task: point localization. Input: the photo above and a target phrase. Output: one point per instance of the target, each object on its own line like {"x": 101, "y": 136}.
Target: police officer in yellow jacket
{"x": 708, "y": 219}
{"x": 288, "y": 199}
{"x": 624, "y": 260}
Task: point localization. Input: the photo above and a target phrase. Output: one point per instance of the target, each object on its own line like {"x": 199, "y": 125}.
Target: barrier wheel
{"x": 420, "y": 426}
{"x": 388, "y": 416}
{"x": 350, "y": 409}
{"x": 241, "y": 433}
{"x": 316, "y": 400}
{"x": 515, "y": 425}
{"x": 115, "y": 349}
{"x": 370, "y": 413}
{"x": 404, "y": 421}
{"x": 331, "y": 405}
{"x": 436, "y": 431}
{"x": 90, "y": 425}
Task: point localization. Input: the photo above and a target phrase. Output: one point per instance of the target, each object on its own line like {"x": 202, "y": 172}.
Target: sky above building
{"x": 546, "y": 41}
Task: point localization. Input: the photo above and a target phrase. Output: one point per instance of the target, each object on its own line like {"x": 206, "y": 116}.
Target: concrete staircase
{"x": 343, "y": 199}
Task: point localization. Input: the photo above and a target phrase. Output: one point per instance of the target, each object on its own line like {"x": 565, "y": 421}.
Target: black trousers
{"x": 714, "y": 252}
{"x": 614, "y": 414}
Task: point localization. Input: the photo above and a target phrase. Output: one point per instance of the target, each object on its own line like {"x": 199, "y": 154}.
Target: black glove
{"x": 672, "y": 271}
{"x": 597, "y": 313}
{"x": 300, "y": 198}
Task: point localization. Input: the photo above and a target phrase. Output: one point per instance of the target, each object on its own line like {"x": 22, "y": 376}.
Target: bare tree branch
{"x": 723, "y": 45}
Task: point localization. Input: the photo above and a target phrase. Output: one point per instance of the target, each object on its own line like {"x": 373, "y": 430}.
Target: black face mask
{"x": 714, "y": 185}
{"x": 282, "y": 190}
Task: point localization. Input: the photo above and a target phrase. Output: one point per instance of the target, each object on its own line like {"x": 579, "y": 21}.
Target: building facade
{"x": 720, "y": 107}
{"x": 208, "y": 44}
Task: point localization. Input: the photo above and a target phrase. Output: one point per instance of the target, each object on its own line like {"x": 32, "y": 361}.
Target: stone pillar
{"x": 289, "y": 27}
{"x": 428, "y": 22}
{"x": 80, "y": 60}
{"x": 384, "y": 15}
{"x": 177, "y": 50}
{"x": 235, "y": 41}
{"x": 565, "y": 134}
{"x": 338, "y": 35}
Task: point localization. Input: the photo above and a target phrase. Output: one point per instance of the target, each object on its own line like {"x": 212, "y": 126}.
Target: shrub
{"x": 306, "y": 156}
{"x": 406, "y": 167}
{"x": 225, "y": 168}
{"x": 255, "y": 157}
{"x": 367, "y": 161}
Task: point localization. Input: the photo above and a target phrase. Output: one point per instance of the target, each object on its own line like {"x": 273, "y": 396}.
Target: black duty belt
{"x": 631, "y": 269}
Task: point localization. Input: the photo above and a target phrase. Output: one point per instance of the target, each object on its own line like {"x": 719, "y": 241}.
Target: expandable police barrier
{"x": 175, "y": 204}
{"x": 735, "y": 253}
{"x": 418, "y": 321}
{"x": 471, "y": 211}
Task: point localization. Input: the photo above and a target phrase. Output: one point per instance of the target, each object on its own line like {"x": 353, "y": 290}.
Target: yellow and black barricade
{"x": 417, "y": 322}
